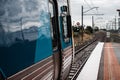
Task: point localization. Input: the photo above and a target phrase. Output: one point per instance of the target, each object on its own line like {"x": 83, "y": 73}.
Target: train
{"x": 35, "y": 39}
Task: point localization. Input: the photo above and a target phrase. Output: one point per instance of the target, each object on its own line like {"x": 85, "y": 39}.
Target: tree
{"x": 96, "y": 29}
{"x": 89, "y": 30}
{"x": 76, "y": 29}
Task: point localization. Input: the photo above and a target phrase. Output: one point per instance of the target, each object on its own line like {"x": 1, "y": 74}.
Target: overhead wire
{"x": 90, "y": 6}
{"x": 87, "y": 3}
{"x": 95, "y": 10}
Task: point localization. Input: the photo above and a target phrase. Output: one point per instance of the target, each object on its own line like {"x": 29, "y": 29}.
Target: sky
{"x": 106, "y": 7}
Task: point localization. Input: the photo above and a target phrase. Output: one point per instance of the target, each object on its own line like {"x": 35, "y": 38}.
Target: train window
{"x": 31, "y": 5}
{"x": 18, "y": 23}
{"x": 2, "y": 34}
{"x": 10, "y": 33}
{"x": 30, "y": 20}
{"x": 30, "y": 29}
{"x": 53, "y": 25}
{"x": 64, "y": 23}
{"x": 10, "y": 23}
{"x": 51, "y": 16}
{"x": 51, "y": 9}
{"x": 65, "y": 26}
{"x": 14, "y": 7}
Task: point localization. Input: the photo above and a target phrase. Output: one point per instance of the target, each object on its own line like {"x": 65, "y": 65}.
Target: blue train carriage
{"x": 65, "y": 36}
{"x": 25, "y": 40}
{"x": 34, "y": 42}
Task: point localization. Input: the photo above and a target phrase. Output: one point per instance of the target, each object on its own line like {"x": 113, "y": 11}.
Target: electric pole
{"x": 93, "y": 22}
{"x": 82, "y": 22}
{"x": 115, "y": 23}
{"x": 82, "y": 13}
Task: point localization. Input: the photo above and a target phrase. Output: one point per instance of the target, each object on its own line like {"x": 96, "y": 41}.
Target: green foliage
{"x": 76, "y": 29}
{"x": 89, "y": 30}
{"x": 96, "y": 29}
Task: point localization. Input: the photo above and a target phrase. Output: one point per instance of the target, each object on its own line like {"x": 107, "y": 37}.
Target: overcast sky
{"x": 106, "y": 7}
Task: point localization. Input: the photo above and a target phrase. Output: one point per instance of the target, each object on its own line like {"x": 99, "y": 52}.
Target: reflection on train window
{"x": 51, "y": 16}
{"x": 2, "y": 35}
{"x": 18, "y": 24}
{"x": 65, "y": 30}
{"x": 2, "y": 11}
{"x": 53, "y": 25}
{"x": 14, "y": 10}
{"x": 10, "y": 33}
{"x": 51, "y": 9}
{"x": 65, "y": 26}
{"x": 30, "y": 22}
{"x": 10, "y": 22}
{"x": 31, "y": 5}
{"x": 29, "y": 29}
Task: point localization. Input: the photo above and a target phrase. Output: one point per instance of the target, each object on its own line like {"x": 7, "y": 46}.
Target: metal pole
{"x": 115, "y": 23}
{"x": 93, "y": 22}
{"x": 82, "y": 21}
{"x": 82, "y": 16}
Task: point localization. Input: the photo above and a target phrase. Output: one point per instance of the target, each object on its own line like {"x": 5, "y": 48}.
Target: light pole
{"x": 82, "y": 21}
{"x": 93, "y": 22}
{"x": 83, "y": 13}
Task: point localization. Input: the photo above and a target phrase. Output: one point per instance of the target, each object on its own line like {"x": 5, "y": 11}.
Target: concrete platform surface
{"x": 91, "y": 67}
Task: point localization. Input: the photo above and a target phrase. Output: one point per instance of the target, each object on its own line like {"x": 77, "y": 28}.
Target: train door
{"x": 66, "y": 37}
{"x": 55, "y": 38}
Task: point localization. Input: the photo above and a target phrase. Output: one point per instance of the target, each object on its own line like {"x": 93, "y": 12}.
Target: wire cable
{"x": 87, "y": 3}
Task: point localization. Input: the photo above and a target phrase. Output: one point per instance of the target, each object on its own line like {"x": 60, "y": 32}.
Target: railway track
{"x": 82, "y": 55}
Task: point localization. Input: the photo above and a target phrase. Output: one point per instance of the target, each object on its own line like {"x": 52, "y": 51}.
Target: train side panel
{"x": 25, "y": 39}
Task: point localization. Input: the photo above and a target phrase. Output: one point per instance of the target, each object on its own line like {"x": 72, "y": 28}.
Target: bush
{"x": 76, "y": 29}
{"x": 96, "y": 29}
{"x": 89, "y": 30}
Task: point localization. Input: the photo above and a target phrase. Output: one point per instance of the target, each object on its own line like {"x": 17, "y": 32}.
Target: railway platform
{"x": 103, "y": 63}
